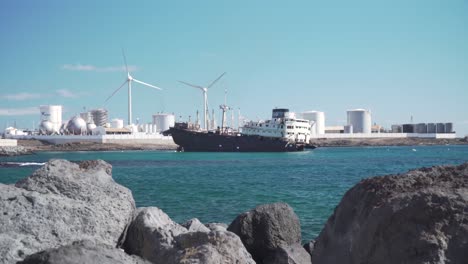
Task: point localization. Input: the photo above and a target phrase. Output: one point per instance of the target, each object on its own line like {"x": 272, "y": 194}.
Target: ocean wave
{"x": 20, "y": 164}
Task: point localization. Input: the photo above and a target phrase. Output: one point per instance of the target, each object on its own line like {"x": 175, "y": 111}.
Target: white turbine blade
{"x": 116, "y": 91}
{"x": 209, "y": 86}
{"x": 192, "y": 85}
{"x": 125, "y": 60}
{"x": 147, "y": 84}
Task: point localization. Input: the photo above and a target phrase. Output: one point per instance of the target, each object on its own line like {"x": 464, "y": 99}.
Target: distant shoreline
{"x": 383, "y": 142}
{"x": 37, "y": 146}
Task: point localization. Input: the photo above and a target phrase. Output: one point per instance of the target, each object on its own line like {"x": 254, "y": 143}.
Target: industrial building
{"x": 359, "y": 121}
{"x": 317, "y": 120}
{"x": 93, "y": 126}
{"x": 359, "y": 125}
{"x": 424, "y": 128}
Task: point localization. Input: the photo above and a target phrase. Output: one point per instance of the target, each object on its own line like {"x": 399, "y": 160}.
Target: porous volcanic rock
{"x": 270, "y": 231}
{"x": 417, "y": 217}
{"x": 217, "y": 226}
{"x": 83, "y": 252}
{"x": 14, "y": 151}
{"x": 210, "y": 248}
{"x": 61, "y": 203}
{"x": 194, "y": 225}
{"x": 152, "y": 235}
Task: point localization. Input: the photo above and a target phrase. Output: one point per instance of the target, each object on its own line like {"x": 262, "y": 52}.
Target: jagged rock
{"x": 293, "y": 254}
{"x": 61, "y": 203}
{"x": 155, "y": 237}
{"x": 309, "y": 247}
{"x": 217, "y": 226}
{"x": 151, "y": 235}
{"x": 14, "y": 151}
{"x": 417, "y": 217}
{"x": 210, "y": 248}
{"x": 270, "y": 230}
{"x": 194, "y": 225}
{"x": 83, "y": 252}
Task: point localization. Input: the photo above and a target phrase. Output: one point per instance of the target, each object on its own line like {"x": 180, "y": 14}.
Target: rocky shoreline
{"x": 75, "y": 213}
{"x": 14, "y": 151}
{"x": 26, "y": 147}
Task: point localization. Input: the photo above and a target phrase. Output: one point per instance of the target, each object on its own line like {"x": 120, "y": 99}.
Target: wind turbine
{"x": 129, "y": 80}
{"x": 205, "y": 97}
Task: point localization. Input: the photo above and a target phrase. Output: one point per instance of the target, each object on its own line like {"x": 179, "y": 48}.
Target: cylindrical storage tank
{"x": 448, "y": 127}
{"x": 319, "y": 119}
{"x": 440, "y": 128}
{"x": 431, "y": 128}
{"x": 76, "y": 126}
{"x": 408, "y": 128}
{"x": 361, "y": 121}
{"x": 348, "y": 129}
{"x": 99, "y": 116}
{"x": 87, "y": 117}
{"x": 52, "y": 113}
{"x": 421, "y": 128}
{"x": 397, "y": 129}
{"x": 117, "y": 123}
{"x": 163, "y": 122}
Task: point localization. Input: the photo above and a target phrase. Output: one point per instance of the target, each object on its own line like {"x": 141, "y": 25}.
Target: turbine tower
{"x": 129, "y": 80}
{"x": 205, "y": 97}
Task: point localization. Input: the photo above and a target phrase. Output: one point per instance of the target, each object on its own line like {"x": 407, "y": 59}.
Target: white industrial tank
{"x": 361, "y": 121}
{"x": 53, "y": 114}
{"x": 90, "y": 126}
{"x": 99, "y": 116}
{"x": 117, "y": 123}
{"x": 76, "y": 126}
{"x": 163, "y": 122}
{"x": 87, "y": 117}
{"x": 46, "y": 128}
{"x": 317, "y": 119}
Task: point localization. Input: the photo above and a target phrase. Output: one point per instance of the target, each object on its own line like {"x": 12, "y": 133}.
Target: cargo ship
{"x": 283, "y": 133}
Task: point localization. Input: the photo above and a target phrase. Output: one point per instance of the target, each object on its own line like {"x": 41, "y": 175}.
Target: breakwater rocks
{"x": 417, "y": 217}
{"x": 14, "y": 151}
{"x": 76, "y": 213}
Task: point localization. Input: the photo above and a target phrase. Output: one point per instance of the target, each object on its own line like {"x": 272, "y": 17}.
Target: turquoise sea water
{"x": 216, "y": 187}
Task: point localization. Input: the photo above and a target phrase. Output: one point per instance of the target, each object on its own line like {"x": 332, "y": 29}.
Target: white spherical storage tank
{"x": 361, "y": 121}
{"x": 53, "y": 114}
{"x": 318, "y": 121}
{"x": 117, "y": 123}
{"x": 163, "y": 121}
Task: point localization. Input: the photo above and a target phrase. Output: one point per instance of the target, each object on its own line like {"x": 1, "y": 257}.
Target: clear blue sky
{"x": 396, "y": 58}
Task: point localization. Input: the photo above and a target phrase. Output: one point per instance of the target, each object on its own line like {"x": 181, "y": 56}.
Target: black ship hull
{"x": 190, "y": 141}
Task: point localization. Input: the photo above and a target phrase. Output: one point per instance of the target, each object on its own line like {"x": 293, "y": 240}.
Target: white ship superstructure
{"x": 283, "y": 124}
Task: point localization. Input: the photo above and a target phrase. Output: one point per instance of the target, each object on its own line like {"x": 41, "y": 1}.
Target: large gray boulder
{"x": 417, "y": 217}
{"x": 151, "y": 235}
{"x": 271, "y": 233}
{"x": 60, "y": 203}
{"x": 155, "y": 237}
{"x": 81, "y": 252}
{"x": 210, "y": 248}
